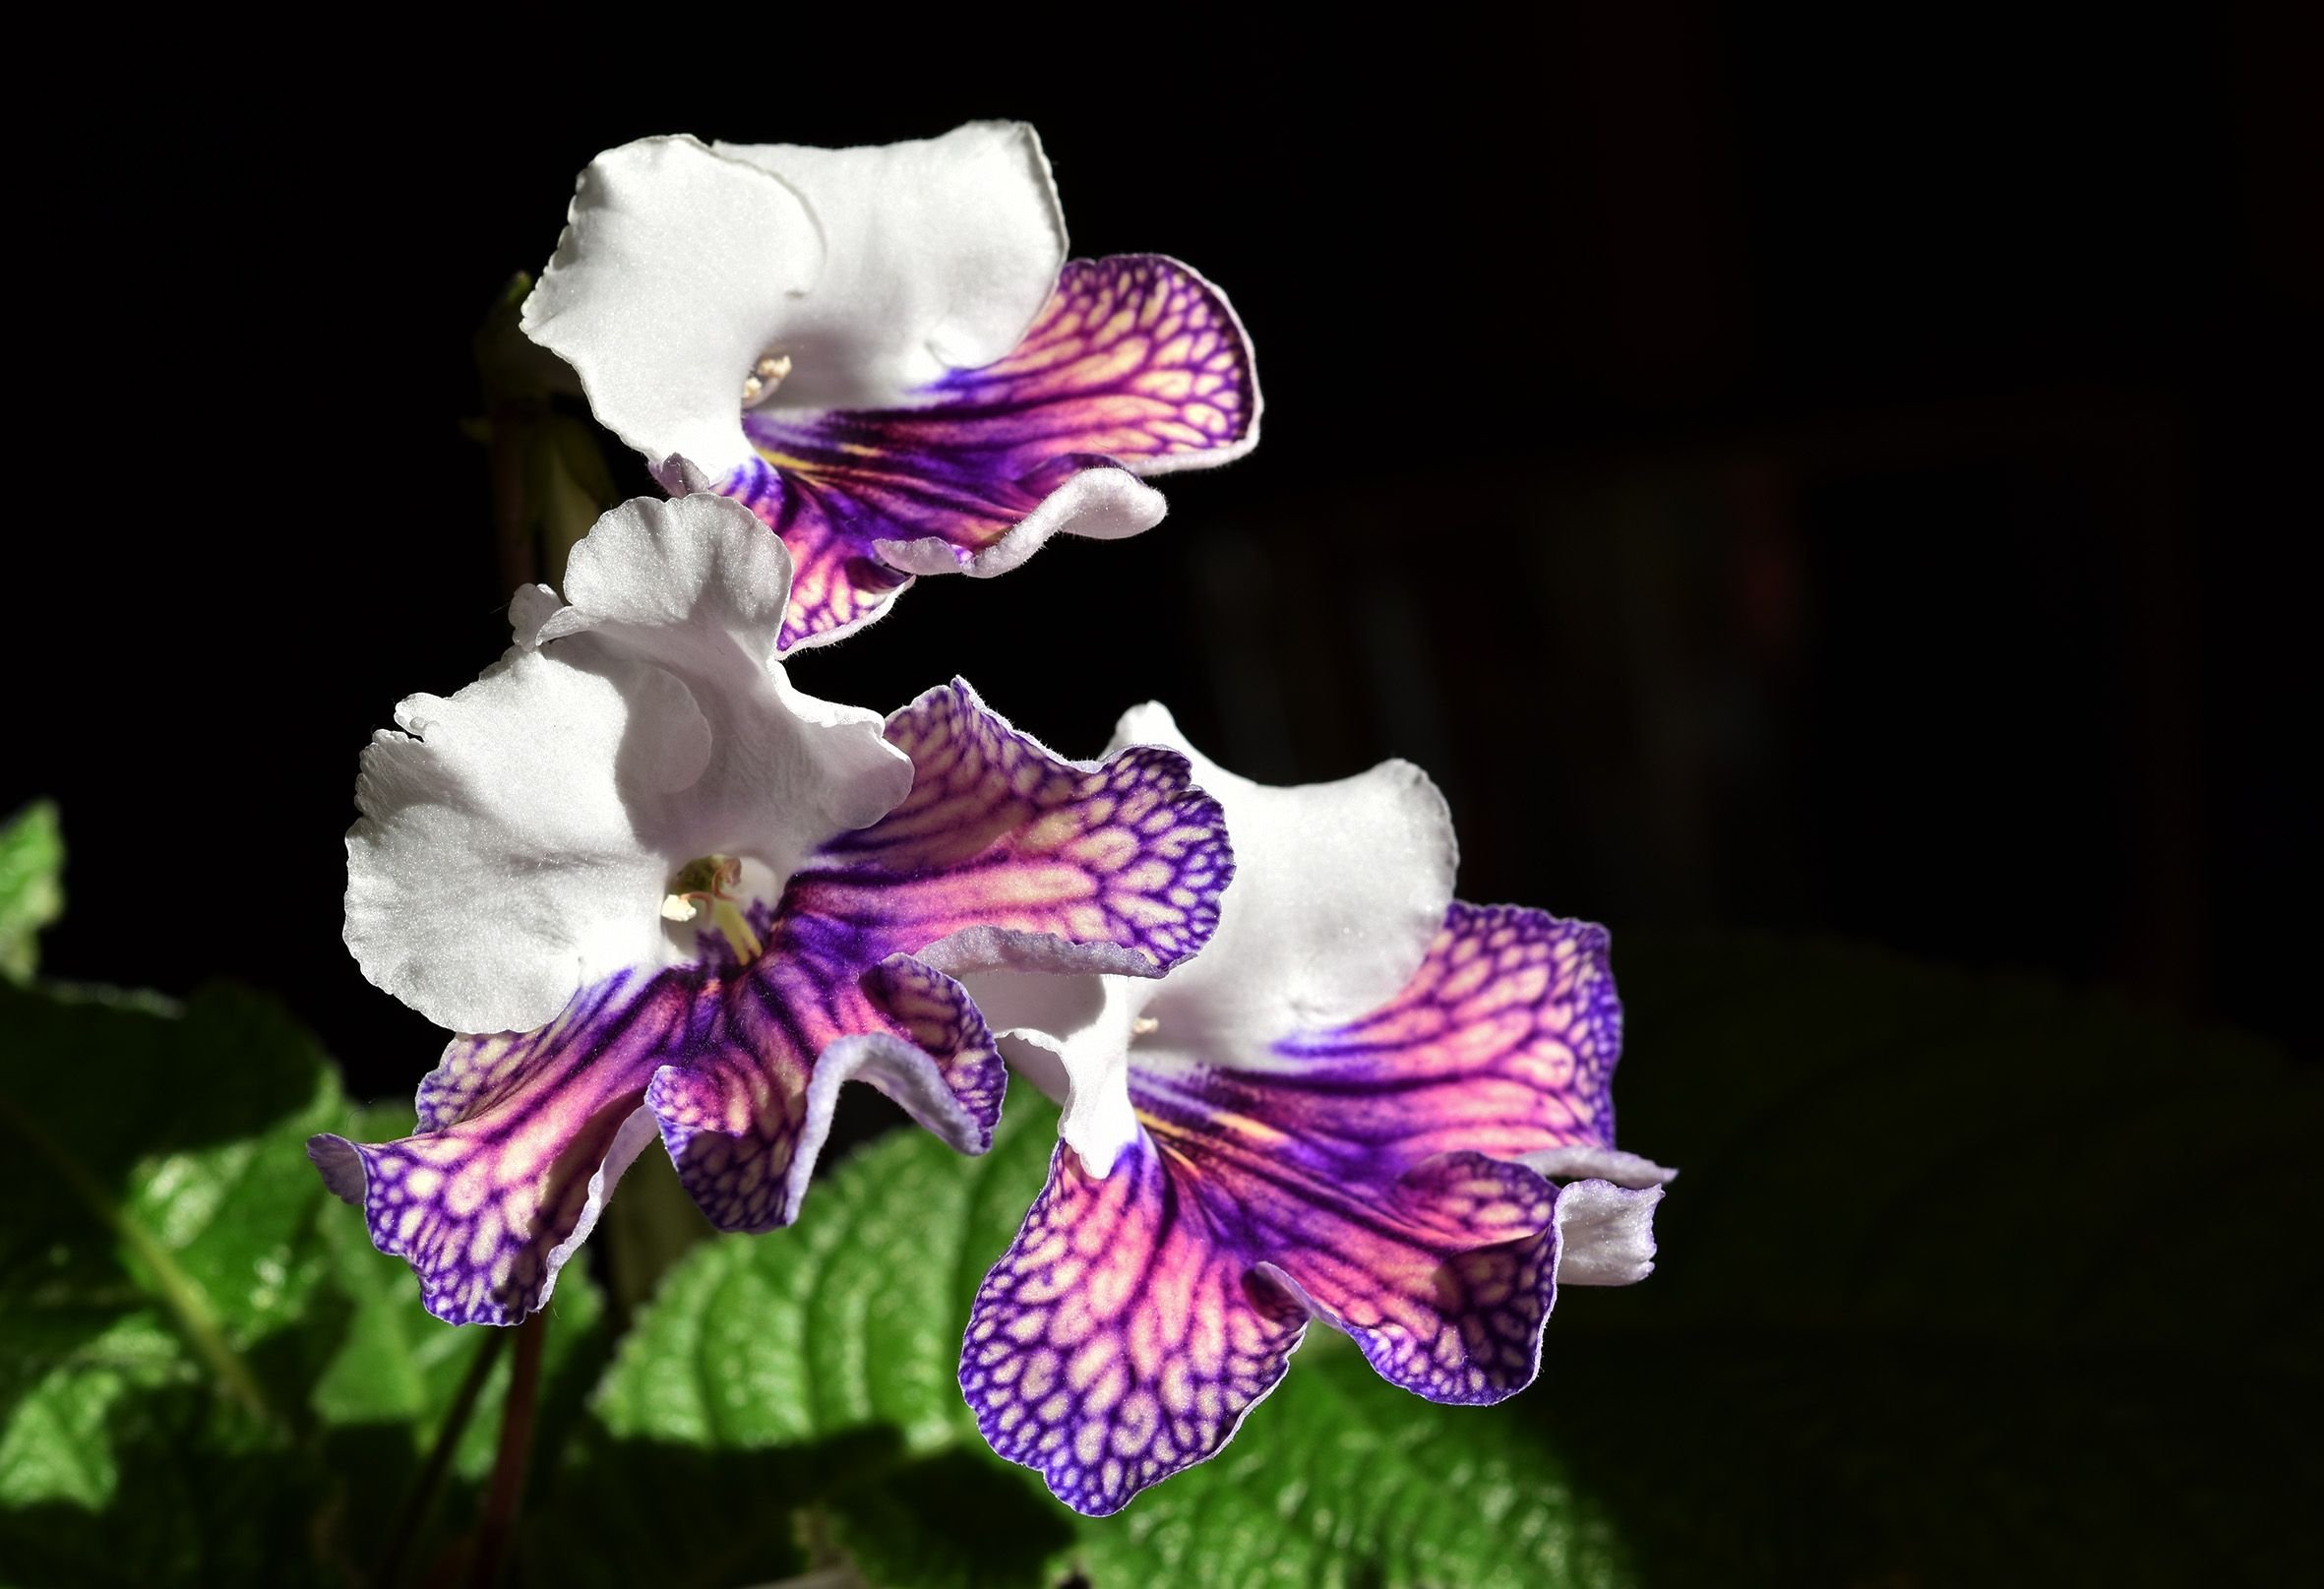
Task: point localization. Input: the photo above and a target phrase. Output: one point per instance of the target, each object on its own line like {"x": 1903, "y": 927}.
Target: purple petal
{"x": 1005, "y": 855}
{"x": 1504, "y": 1043}
{"x": 746, "y": 1121}
{"x": 1359, "y": 1174}
{"x": 521, "y": 1140}
{"x": 1118, "y": 1341}
{"x": 837, "y": 583}
{"x": 1137, "y": 366}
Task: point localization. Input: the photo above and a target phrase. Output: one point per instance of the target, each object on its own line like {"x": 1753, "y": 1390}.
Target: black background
{"x": 1848, "y": 476}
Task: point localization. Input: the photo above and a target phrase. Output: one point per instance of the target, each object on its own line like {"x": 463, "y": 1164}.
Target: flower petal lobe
{"x": 1117, "y": 1341}
{"x": 1137, "y": 366}
{"x": 520, "y": 1139}
{"x": 1006, "y": 855}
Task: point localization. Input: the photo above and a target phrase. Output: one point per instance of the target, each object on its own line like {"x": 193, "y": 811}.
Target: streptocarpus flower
{"x": 876, "y": 350}
{"x": 692, "y": 902}
{"x": 1355, "y": 1104}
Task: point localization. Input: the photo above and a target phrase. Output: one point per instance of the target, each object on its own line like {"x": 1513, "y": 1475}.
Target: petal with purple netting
{"x": 886, "y": 354}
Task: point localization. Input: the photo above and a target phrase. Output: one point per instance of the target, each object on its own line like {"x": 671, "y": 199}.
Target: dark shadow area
{"x": 625, "y": 1510}
{"x": 1818, "y": 1457}
{"x": 1773, "y": 475}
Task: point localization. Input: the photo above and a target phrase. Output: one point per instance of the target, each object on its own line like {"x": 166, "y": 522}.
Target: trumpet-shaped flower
{"x": 1365, "y": 1102}
{"x": 673, "y": 896}
{"x": 886, "y": 354}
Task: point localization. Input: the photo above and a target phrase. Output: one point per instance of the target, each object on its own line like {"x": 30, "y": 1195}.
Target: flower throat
{"x": 707, "y": 885}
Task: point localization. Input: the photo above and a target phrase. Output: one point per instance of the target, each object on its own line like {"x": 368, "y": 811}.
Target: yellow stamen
{"x": 764, "y": 378}
{"x": 703, "y": 883}
{"x": 730, "y": 921}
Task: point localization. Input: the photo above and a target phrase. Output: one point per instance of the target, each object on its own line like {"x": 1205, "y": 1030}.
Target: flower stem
{"x": 412, "y": 1515}
{"x": 507, "y": 1485}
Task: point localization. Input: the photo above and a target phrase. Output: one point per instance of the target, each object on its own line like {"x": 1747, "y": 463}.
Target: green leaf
{"x": 150, "y": 1171}
{"x": 158, "y": 1274}
{"x": 1966, "y": 1280}
{"x": 205, "y": 1372}
{"x": 32, "y": 891}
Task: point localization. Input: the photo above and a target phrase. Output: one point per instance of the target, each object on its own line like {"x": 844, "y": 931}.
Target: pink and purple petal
{"x": 1003, "y": 855}
{"x": 1362, "y": 1175}
{"x": 746, "y": 1121}
{"x": 1502, "y": 1043}
{"x": 520, "y": 1139}
{"x": 1444, "y": 1274}
{"x": 1136, "y": 1318}
{"x": 838, "y": 584}
{"x": 1137, "y": 366}
{"x": 1119, "y": 1340}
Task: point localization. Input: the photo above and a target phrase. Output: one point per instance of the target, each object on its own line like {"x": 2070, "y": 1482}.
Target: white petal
{"x": 1598, "y": 1164}
{"x": 530, "y": 607}
{"x": 697, "y": 587}
{"x": 678, "y": 270}
{"x": 1339, "y": 890}
{"x": 1069, "y": 1036}
{"x": 694, "y": 576}
{"x": 1103, "y": 504}
{"x": 496, "y": 867}
{"x": 940, "y": 253}
{"x": 1605, "y": 1234}
{"x": 874, "y": 270}
{"x": 518, "y": 840}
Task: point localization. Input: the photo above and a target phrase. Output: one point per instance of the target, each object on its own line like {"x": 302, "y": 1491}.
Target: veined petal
{"x": 521, "y": 1137}
{"x": 521, "y": 1140}
{"x": 745, "y": 1122}
{"x": 1437, "y": 1272}
{"x": 1003, "y": 855}
{"x": 1137, "y": 366}
{"x": 1119, "y": 1340}
{"x": 1504, "y": 1043}
{"x": 1364, "y": 1176}
{"x": 678, "y": 270}
{"x": 1006, "y": 855}
{"x": 939, "y": 253}
{"x": 841, "y": 585}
